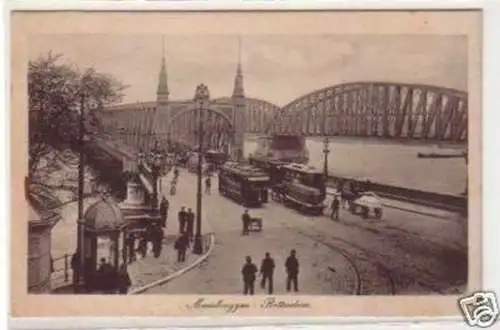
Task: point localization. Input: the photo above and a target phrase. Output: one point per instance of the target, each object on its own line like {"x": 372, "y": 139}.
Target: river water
{"x": 388, "y": 162}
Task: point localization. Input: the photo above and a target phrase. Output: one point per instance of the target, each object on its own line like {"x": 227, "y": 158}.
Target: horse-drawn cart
{"x": 367, "y": 203}
{"x": 255, "y": 224}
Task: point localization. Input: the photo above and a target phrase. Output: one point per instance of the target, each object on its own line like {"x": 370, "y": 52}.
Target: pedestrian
{"x": 130, "y": 247}
{"x": 75, "y": 266}
{"x": 208, "y": 185}
{"x": 157, "y": 238}
{"x": 106, "y": 277}
{"x": 246, "y": 219}
{"x": 164, "y": 211}
{"x": 182, "y": 219}
{"x": 190, "y": 223}
{"x": 248, "y": 271}
{"x": 181, "y": 245}
{"x": 124, "y": 281}
{"x": 292, "y": 271}
{"x": 173, "y": 188}
{"x": 335, "y": 209}
{"x": 267, "y": 271}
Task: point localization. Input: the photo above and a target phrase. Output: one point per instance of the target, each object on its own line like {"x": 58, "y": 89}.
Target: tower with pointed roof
{"x": 238, "y": 101}
{"x": 162, "y": 116}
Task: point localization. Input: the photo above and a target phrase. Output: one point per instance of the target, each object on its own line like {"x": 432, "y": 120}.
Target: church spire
{"x": 238, "y": 80}
{"x": 162, "y": 91}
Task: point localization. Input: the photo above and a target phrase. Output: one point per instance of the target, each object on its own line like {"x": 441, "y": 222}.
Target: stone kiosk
{"x": 103, "y": 223}
{"x": 139, "y": 215}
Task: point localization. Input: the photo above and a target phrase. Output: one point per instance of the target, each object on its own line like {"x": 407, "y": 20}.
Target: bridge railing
{"x": 455, "y": 203}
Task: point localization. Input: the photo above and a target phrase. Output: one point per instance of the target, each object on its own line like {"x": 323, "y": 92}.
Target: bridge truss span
{"x": 217, "y": 128}
{"x": 377, "y": 109}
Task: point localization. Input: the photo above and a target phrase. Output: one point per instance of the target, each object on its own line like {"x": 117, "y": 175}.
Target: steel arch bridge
{"x": 217, "y": 128}
{"x": 259, "y": 114}
{"x": 377, "y": 109}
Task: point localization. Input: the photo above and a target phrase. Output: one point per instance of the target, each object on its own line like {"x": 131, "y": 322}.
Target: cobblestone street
{"x": 405, "y": 252}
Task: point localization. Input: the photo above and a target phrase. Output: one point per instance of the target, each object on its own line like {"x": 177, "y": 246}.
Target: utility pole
{"x": 201, "y": 98}
{"x": 81, "y": 185}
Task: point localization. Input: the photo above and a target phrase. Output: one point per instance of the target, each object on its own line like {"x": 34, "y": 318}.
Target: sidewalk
{"x": 150, "y": 270}
{"x": 403, "y": 206}
{"x": 142, "y": 272}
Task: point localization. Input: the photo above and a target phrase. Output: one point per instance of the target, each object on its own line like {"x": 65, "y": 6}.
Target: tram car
{"x": 270, "y": 166}
{"x": 215, "y": 159}
{"x": 244, "y": 183}
{"x": 303, "y": 188}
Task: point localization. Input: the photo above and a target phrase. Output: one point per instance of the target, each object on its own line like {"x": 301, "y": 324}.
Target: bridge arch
{"x": 259, "y": 114}
{"x": 217, "y": 131}
{"x": 383, "y": 109}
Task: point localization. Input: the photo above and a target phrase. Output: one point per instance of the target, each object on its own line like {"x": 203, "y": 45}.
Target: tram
{"x": 244, "y": 183}
{"x": 303, "y": 188}
{"x": 215, "y": 158}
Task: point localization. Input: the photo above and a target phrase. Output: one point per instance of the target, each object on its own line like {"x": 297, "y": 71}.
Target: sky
{"x": 276, "y": 68}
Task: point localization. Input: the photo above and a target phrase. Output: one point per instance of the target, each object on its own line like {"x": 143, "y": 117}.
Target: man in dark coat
{"x": 292, "y": 271}
{"x": 208, "y": 185}
{"x": 164, "y": 211}
{"x": 124, "y": 281}
{"x": 106, "y": 277}
{"x": 246, "y": 219}
{"x": 190, "y": 223}
{"x": 182, "y": 215}
{"x": 248, "y": 271}
{"x": 75, "y": 266}
{"x": 267, "y": 271}
{"x": 335, "y": 209}
{"x": 181, "y": 245}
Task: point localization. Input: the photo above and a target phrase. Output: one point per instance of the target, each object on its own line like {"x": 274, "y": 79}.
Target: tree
{"x": 56, "y": 94}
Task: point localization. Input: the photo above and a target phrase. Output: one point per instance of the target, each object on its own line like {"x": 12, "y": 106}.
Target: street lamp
{"x": 201, "y": 97}
{"x": 326, "y": 151}
{"x": 81, "y": 179}
{"x": 155, "y": 160}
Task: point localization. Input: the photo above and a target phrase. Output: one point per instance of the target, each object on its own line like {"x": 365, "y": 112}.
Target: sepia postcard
{"x": 314, "y": 163}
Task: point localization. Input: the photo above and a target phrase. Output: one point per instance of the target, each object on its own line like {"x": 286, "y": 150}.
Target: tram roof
{"x": 302, "y": 168}
{"x": 243, "y": 169}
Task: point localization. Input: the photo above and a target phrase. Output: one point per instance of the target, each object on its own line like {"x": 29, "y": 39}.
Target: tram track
{"x": 372, "y": 278}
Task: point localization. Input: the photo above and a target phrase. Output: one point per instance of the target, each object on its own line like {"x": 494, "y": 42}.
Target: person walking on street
{"x": 248, "y": 271}
{"x": 335, "y": 209}
{"x": 164, "y": 211}
{"x": 267, "y": 271}
{"x": 124, "y": 281}
{"x": 75, "y": 266}
{"x": 208, "y": 185}
{"x": 246, "y": 219}
{"x": 181, "y": 245}
{"x": 292, "y": 271}
{"x": 182, "y": 219}
{"x": 190, "y": 224}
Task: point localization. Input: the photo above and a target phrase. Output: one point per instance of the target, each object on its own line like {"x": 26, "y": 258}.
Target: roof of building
{"x": 103, "y": 215}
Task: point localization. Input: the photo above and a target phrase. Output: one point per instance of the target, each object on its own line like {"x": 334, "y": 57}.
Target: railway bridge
{"x": 363, "y": 109}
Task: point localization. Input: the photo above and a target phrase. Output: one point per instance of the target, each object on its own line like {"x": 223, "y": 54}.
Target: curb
{"x": 416, "y": 212}
{"x": 408, "y": 209}
{"x": 179, "y": 272}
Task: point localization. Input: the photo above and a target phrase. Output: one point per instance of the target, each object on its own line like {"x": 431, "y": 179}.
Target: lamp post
{"x": 155, "y": 158}
{"x": 81, "y": 181}
{"x": 326, "y": 151}
{"x": 201, "y": 97}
